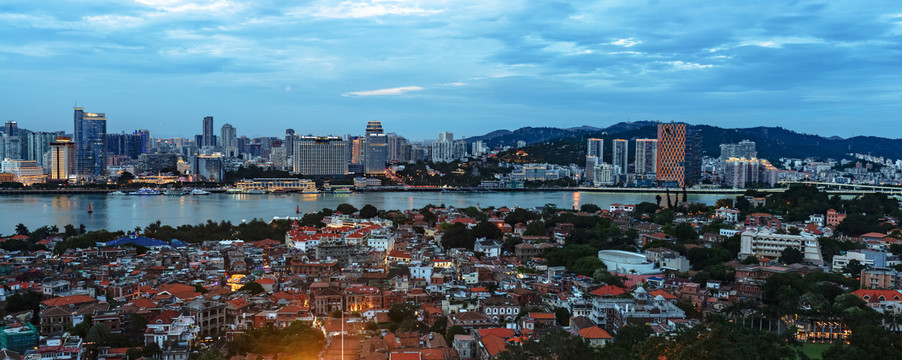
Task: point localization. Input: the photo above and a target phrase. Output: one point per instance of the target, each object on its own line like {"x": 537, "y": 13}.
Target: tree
{"x": 81, "y": 329}
{"x": 562, "y": 315}
{"x": 21, "y": 229}
{"x": 791, "y": 255}
{"x": 151, "y": 350}
{"x": 658, "y": 200}
{"x": 589, "y": 208}
{"x": 403, "y": 311}
{"x": 99, "y": 334}
{"x": 587, "y": 265}
{"x": 454, "y": 330}
{"x": 254, "y": 287}
{"x": 133, "y": 354}
{"x": 346, "y": 209}
{"x": 854, "y": 268}
{"x": 125, "y": 177}
{"x": 368, "y": 211}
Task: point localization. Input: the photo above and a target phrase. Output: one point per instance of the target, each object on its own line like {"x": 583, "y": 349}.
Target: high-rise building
{"x": 478, "y": 148}
{"x": 127, "y": 145}
{"x": 646, "y": 156}
{"x": 398, "y": 148}
{"x": 443, "y": 149}
{"x": 207, "y": 138}
{"x": 743, "y": 149}
{"x": 321, "y": 156}
{"x": 594, "y": 157}
{"x": 595, "y": 147}
{"x": 693, "y": 171}
{"x": 37, "y": 144}
{"x": 229, "y": 140}
{"x": 10, "y": 147}
{"x": 376, "y": 149}
{"x": 620, "y": 156}
{"x": 11, "y": 128}
{"x": 288, "y": 144}
{"x": 671, "y": 157}
{"x": 90, "y": 143}
{"x": 209, "y": 167}
{"x": 62, "y": 158}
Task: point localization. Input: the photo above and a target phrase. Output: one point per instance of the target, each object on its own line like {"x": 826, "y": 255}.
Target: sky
{"x": 832, "y": 68}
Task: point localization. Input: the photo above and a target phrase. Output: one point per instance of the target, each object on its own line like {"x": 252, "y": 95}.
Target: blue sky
{"x": 420, "y": 67}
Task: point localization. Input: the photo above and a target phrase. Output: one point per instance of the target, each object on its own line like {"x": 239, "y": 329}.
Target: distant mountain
{"x": 772, "y": 143}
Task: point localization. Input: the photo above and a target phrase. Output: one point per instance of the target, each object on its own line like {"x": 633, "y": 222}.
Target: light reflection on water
{"x": 128, "y": 212}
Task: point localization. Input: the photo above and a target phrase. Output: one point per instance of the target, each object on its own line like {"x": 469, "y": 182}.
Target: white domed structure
{"x": 625, "y": 262}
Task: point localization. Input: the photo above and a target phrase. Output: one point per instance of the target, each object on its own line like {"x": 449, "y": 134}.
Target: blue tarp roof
{"x": 137, "y": 240}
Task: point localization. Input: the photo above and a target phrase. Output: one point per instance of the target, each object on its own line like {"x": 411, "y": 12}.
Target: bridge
{"x": 848, "y": 189}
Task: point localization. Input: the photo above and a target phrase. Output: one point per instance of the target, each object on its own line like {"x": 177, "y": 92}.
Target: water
{"x": 127, "y": 212}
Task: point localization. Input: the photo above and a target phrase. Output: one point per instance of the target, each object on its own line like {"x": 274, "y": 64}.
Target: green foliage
{"x": 720, "y": 339}
{"x": 589, "y": 208}
{"x": 21, "y": 229}
{"x": 254, "y": 288}
{"x": 791, "y": 255}
{"x": 555, "y": 344}
{"x": 562, "y": 316}
{"x": 211, "y": 354}
{"x": 253, "y": 230}
{"x": 520, "y": 215}
{"x": 21, "y": 302}
{"x": 368, "y": 211}
{"x": 298, "y": 339}
{"x": 404, "y": 311}
{"x": 454, "y": 330}
{"x": 133, "y": 353}
{"x": 151, "y": 350}
{"x": 253, "y": 171}
{"x": 535, "y": 228}
{"x": 81, "y": 329}
{"x": 664, "y": 217}
{"x": 346, "y": 209}
{"x": 458, "y": 235}
{"x": 587, "y": 265}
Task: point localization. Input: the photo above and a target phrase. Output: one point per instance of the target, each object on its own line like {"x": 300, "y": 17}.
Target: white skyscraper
{"x": 620, "y": 156}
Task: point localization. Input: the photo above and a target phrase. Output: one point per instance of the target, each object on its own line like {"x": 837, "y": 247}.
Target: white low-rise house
{"x": 765, "y": 243}
{"x": 381, "y": 239}
{"x": 491, "y": 248}
{"x": 728, "y": 214}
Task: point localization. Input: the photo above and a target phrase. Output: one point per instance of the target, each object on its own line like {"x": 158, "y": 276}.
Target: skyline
{"x": 828, "y": 69}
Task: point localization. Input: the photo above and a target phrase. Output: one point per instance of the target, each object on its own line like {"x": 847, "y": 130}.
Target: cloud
{"x": 351, "y": 9}
{"x": 682, "y": 65}
{"x": 385, "y": 92}
{"x": 628, "y": 42}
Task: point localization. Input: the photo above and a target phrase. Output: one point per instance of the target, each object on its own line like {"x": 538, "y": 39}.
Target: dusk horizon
{"x": 466, "y": 67}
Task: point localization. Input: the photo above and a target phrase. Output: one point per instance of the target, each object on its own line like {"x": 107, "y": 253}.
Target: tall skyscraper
{"x": 62, "y": 158}
{"x": 90, "y": 143}
{"x": 288, "y": 144}
{"x": 671, "y": 158}
{"x": 229, "y": 140}
{"x": 11, "y": 128}
{"x": 206, "y": 137}
{"x": 321, "y": 156}
{"x": 693, "y": 172}
{"x": 37, "y": 144}
{"x": 443, "y": 149}
{"x": 620, "y": 158}
{"x": 398, "y": 148}
{"x": 594, "y": 157}
{"x": 743, "y": 149}
{"x": 646, "y": 156}
{"x": 376, "y": 149}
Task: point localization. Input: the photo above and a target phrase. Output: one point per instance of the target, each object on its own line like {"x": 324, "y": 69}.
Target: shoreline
{"x": 612, "y": 190}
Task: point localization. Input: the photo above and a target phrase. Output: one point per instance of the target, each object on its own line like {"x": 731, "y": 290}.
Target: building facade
{"x": 90, "y": 143}
{"x": 321, "y": 156}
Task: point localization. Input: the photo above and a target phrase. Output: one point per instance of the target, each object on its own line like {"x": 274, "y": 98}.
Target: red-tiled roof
{"x": 68, "y": 300}
{"x": 608, "y": 290}
{"x": 594, "y": 332}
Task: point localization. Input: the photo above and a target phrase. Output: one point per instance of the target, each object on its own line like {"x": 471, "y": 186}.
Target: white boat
{"x": 145, "y": 191}
{"x": 172, "y": 192}
{"x": 199, "y": 192}
{"x": 117, "y": 193}
{"x": 255, "y": 192}
{"x": 234, "y": 191}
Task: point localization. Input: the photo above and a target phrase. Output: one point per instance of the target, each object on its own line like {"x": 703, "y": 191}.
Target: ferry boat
{"x": 145, "y": 191}
{"x": 234, "y": 191}
{"x": 172, "y": 192}
{"x": 199, "y": 192}
{"x": 341, "y": 190}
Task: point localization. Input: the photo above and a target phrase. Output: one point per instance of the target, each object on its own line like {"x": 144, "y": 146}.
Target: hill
{"x": 567, "y": 146}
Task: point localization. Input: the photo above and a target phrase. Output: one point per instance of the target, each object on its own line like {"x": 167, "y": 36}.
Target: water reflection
{"x": 127, "y": 212}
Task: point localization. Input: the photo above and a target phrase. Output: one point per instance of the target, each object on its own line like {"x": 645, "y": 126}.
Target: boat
{"x": 172, "y": 192}
{"x": 310, "y": 191}
{"x": 234, "y": 191}
{"x": 199, "y": 192}
{"x": 145, "y": 191}
{"x": 117, "y": 193}
{"x": 341, "y": 190}
{"x": 255, "y": 191}
{"x": 90, "y": 208}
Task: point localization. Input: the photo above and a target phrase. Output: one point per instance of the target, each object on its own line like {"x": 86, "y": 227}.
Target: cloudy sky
{"x": 421, "y": 66}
